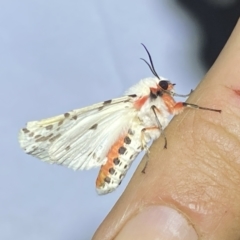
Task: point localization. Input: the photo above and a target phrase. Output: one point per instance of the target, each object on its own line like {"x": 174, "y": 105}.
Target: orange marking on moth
{"x": 170, "y": 102}
{"x": 112, "y": 153}
{"x": 173, "y": 107}
{"x": 178, "y": 108}
{"x": 138, "y": 104}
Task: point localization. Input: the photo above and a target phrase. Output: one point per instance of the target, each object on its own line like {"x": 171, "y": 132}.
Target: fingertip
{"x": 158, "y": 222}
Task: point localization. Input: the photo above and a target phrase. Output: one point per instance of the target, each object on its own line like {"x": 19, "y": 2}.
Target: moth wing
{"x": 81, "y": 138}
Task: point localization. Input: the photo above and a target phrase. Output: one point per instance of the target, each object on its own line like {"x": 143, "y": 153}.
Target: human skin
{"x": 191, "y": 190}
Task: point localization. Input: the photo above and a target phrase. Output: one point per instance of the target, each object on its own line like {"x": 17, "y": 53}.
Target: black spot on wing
{"x": 67, "y": 148}
{"x": 25, "y": 130}
{"x": 107, "y": 102}
{"x": 60, "y": 123}
{"x": 44, "y": 138}
{"x": 32, "y": 150}
{"x": 89, "y": 154}
{"x": 100, "y": 108}
{"x": 54, "y": 138}
{"x": 31, "y": 134}
{"x": 133, "y": 95}
{"x": 94, "y": 126}
{"x": 49, "y": 127}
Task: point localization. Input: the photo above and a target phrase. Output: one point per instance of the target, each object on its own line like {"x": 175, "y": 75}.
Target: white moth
{"x": 109, "y": 134}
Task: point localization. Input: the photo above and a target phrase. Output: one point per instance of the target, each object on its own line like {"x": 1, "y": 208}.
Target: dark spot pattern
{"x": 122, "y": 150}
{"x": 100, "y": 108}
{"x": 127, "y": 140}
{"x": 107, "y": 179}
{"x": 67, "y": 148}
{"x": 54, "y": 138}
{"x": 125, "y": 166}
{"x": 44, "y": 138}
{"x": 66, "y": 115}
{"x": 89, "y": 154}
{"x": 111, "y": 170}
{"x": 25, "y": 130}
{"x": 32, "y": 151}
{"x": 49, "y": 127}
{"x": 31, "y": 134}
{"x": 116, "y": 161}
{"x": 132, "y": 95}
{"x": 130, "y": 132}
{"x": 74, "y": 117}
{"x": 107, "y": 102}
{"x": 93, "y": 127}
{"x": 60, "y": 123}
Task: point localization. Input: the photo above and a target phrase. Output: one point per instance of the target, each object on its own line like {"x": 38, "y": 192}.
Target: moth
{"x": 109, "y": 134}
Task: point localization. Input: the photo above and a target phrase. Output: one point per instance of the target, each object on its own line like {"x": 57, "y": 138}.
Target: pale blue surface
{"x": 59, "y": 55}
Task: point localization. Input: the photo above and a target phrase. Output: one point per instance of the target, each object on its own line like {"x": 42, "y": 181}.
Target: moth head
{"x": 167, "y": 86}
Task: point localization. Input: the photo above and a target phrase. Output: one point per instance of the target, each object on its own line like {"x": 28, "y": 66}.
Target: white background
{"x": 59, "y": 55}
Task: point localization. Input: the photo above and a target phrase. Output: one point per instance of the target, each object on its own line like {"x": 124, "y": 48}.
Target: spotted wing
{"x": 81, "y": 138}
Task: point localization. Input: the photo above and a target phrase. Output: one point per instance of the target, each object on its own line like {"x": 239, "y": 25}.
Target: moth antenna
{"x": 151, "y": 65}
{"x": 154, "y": 73}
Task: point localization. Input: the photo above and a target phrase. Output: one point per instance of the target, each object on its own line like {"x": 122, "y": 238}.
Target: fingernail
{"x": 158, "y": 222}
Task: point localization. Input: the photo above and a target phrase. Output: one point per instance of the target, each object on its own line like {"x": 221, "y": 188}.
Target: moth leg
{"x": 183, "y": 95}
{"x": 144, "y": 145}
{"x": 159, "y": 128}
{"x": 155, "y": 109}
{"x": 143, "y": 142}
{"x": 180, "y": 106}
